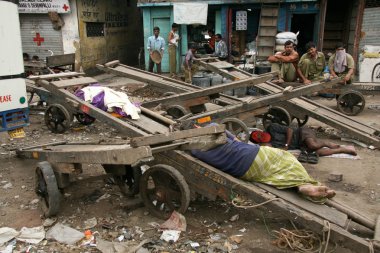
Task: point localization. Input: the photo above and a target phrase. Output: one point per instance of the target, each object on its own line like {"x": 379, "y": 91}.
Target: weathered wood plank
{"x": 95, "y": 154}
{"x": 60, "y": 60}
{"x": 233, "y": 110}
{"x": 74, "y": 82}
{"x": 210, "y": 91}
{"x": 168, "y": 137}
{"x": 322, "y": 211}
{"x": 54, "y": 76}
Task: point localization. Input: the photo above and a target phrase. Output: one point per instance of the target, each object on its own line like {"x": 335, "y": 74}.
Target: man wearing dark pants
{"x": 155, "y": 43}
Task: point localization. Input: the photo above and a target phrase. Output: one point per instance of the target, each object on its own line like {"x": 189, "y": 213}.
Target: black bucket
{"x": 262, "y": 69}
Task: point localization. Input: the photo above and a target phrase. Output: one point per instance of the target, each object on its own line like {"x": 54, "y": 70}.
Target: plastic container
{"x": 228, "y": 92}
{"x": 203, "y": 81}
{"x": 240, "y": 92}
{"x": 216, "y": 80}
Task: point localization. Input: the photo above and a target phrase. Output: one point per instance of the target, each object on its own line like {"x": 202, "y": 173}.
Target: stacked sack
{"x": 282, "y": 37}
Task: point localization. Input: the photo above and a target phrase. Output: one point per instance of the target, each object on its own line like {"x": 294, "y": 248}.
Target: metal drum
{"x": 216, "y": 79}
{"x": 228, "y": 92}
{"x": 202, "y": 80}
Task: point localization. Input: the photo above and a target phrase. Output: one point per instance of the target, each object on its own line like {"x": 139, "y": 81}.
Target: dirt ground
{"x": 210, "y": 223}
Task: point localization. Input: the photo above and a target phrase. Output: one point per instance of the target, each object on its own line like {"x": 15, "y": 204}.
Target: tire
{"x": 375, "y": 78}
{"x": 278, "y": 115}
{"x": 47, "y": 189}
{"x": 163, "y": 189}
{"x": 84, "y": 119}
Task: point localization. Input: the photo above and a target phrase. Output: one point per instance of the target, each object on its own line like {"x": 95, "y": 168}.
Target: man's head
{"x": 339, "y": 46}
{"x": 156, "y": 31}
{"x": 218, "y": 37}
{"x": 175, "y": 27}
{"x": 259, "y": 137}
{"x": 289, "y": 46}
{"x": 193, "y": 48}
{"x": 210, "y": 32}
{"x": 311, "y": 49}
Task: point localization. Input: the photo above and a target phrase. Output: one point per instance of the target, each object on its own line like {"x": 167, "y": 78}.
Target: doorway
{"x": 304, "y": 24}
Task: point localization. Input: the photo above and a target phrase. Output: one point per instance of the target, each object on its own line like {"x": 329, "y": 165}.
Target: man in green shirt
{"x": 311, "y": 64}
{"x": 341, "y": 64}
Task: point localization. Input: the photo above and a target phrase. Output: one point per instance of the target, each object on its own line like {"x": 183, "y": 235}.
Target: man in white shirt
{"x": 155, "y": 43}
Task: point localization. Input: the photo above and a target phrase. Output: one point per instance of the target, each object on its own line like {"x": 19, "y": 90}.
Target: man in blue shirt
{"x": 266, "y": 165}
{"x": 155, "y": 43}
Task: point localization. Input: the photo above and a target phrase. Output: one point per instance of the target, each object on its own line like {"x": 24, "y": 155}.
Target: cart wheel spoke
{"x": 351, "y": 103}
{"x": 237, "y": 127}
{"x": 163, "y": 189}
{"x": 278, "y": 115}
{"x": 59, "y": 116}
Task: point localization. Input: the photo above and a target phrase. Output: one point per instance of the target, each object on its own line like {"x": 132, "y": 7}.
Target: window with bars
{"x": 95, "y": 29}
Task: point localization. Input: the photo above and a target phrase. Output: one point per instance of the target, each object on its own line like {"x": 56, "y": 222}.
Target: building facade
{"x": 97, "y": 31}
{"x": 323, "y": 21}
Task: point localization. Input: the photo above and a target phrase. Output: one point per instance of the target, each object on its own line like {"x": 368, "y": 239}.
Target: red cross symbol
{"x": 65, "y": 7}
{"x": 38, "y": 39}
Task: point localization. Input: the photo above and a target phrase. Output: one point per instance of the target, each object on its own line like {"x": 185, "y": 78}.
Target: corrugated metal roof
{"x": 142, "y": 3}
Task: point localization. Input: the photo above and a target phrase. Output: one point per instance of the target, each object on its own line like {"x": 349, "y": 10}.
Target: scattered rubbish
{"x": 176, "y": 221}
{"x": 194, "y": 244}
{"x": 64, "y": 234}
{"x": 7, "y": 234}
{"x": 374, "y": 107}
{"x": 9, "y": 248}
{"x": 49, "y": 222}
{"x": 34, "y": 202}
{"x": 242, "y": 230}
{"x": 371, "y": 147}
{"x": 335, "y": 177}
{"x": 170, "y": 235}
{"x": 31, "y": 235}
{"x": 104, "y": 196}
{"x": 217, "y": 237}
{"x": 236, "y": 238}
{"x": 234, "y": 218}
{"x": 8, "y": 186}
{"x": 88, "y": 240}
{"x": 120, "y": 247}
{"x": 90, "y": 223}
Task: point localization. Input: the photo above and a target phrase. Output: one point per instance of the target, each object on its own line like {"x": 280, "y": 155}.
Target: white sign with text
{"x": 43, "y": 6}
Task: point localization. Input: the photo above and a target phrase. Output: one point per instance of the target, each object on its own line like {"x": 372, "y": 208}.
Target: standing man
{"x": 341, "y": 64}
{"x": 311, "y": 64}
{"x": 285, "y": 62}
{"x": 210, "y": 46}
{"x": 189, "y": 68}
{"x": 173, "y": 38}
{"x": 157, "y": 43}
{"x": 220, "y": 48}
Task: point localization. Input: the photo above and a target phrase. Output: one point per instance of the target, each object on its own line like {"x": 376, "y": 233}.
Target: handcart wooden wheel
{"x": 163, "y": 189}
{"x": 351, "y": 102}
{"x": 57, "y": 118}
{"x": 237, "y": 128}
{"x": 47, "y": 189}
{"x": 176, "y": 111}
{"x": 278, "y": 115}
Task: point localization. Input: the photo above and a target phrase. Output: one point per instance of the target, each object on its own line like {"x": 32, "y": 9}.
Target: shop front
{"x": 248, "y": 29}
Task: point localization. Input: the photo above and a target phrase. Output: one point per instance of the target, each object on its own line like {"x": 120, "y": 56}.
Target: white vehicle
{"x": 13, "y": 98}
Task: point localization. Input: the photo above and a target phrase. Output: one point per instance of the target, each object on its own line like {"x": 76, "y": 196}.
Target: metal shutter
{"x": 33, "y": 24}
{"x": 371, "y": 27}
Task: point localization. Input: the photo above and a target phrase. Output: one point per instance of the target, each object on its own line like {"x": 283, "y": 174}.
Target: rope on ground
{"x": 370, "y": 247}
{"x": 298, "y": 240}
{"x": 326, "y": 229}
{"x": 235, "y": 202}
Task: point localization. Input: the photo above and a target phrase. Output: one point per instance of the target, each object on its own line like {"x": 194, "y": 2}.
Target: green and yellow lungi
{"x": 278, "y": 168}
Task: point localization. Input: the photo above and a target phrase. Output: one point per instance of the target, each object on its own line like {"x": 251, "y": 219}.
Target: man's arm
{"x": 293, "y": 57}
{"x": 331, "y": 66}
{"x": 299, "y": 72}
{"x": 289, "y": 135}
{"x": 149, "y": 46}
{"x": 162, "y": 46}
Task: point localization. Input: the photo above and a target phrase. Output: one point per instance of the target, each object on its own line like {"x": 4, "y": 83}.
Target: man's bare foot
{"x": 315, "y": 190}
{"x": 330, "y": 194}
{"x": 333, "y": 145}
{"x": 279, "y": 81}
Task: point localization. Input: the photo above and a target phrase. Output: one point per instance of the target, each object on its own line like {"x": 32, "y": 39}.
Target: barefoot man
{"x": 267, "y": 165}
{"x": 286, "y": 63}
